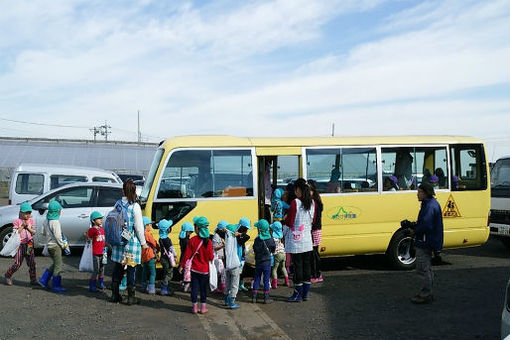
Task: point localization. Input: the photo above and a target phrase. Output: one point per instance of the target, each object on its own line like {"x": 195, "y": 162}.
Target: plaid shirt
{"x": 133, "y": 249}
{"x": 298, "y": 237}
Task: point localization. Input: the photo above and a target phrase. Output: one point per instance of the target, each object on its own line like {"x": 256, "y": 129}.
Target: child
{"x": 24, "y": 225}
{"x": 199, "y": 252}
{"x": 219, "y": 253}
{"x": 263, "y": 247}
{"x": 242, "y": 237}
{"x": 167, "y": 253}
{"x": 279, "y": 256}
{"x": 149, "y": 257}
{"x": 96, "y": 234}
{"x": 186, "y": 231}
{"x": 232, "y": 255}
{"x": 56, "y": 243}
{"x": 278, "y": 205}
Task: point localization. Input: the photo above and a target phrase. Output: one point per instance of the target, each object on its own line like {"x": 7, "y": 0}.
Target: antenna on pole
{"x": 139, "y": 133}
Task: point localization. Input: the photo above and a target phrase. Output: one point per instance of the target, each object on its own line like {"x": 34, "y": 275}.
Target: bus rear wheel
{"x": 401, "y": 252}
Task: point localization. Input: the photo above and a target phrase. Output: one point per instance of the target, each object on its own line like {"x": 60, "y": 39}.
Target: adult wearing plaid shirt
{"x": 298, "y": 238}
{"x": 127, "y": 257}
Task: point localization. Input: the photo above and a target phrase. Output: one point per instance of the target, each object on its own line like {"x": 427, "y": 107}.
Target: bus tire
{"x": 5, "y": 234}
{"x": 401, "y": 252}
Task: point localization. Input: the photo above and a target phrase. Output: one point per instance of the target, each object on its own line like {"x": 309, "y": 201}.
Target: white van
{"x": 500, "y": 200}
{"x": 31, "y": 180}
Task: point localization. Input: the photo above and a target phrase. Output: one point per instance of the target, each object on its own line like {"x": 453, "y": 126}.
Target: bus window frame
{"x": 305, "y": 167}
{"x": 448, "y": 164}
{"x": 190, "y": 199}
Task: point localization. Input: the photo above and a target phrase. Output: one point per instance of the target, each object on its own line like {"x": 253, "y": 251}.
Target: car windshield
{"x": 500, "y": 178}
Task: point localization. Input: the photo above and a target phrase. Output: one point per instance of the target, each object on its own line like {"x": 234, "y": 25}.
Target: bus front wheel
{"x": 401, "y": 252}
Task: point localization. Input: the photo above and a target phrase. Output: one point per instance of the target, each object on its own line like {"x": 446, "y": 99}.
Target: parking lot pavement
{"x": 361, "y": 298}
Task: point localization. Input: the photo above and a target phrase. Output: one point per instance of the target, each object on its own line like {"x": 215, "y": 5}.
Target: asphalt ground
{"x": 360, "y": 298}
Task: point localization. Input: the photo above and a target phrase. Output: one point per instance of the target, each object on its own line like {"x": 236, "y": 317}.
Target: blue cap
{"x": 164, "y": 226}
{"x": 245, "y": 222}
{"x": 222, "y": 225}
{"x": 185, "y": 228}
{"x": 276, "y": 227}
{"x": 146, "y": 220}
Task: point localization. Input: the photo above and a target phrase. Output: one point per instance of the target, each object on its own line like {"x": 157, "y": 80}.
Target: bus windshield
{"x": 152, "y": 173}
{"x": 500, "y": 178}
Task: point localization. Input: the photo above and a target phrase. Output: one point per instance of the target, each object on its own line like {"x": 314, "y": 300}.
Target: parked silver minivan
{"x": 31, "y": 180}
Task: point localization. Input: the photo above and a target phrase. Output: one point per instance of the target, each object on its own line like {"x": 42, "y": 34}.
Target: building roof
{"x": 112, "y": 155}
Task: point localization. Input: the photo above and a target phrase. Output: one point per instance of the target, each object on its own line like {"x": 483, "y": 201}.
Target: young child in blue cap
{"x": 24, "y": 225}
{"x": 219, "y": 254}
{"x": 168, "y": 255}
{"x": 263, "y": 247}
{"x": 149, "y": 258}
{"x": 242, "y": 237}
{"x": 186, "y": 231}
{"x": 279, "y": 255}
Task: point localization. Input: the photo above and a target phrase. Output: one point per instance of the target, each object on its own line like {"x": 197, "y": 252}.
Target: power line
{"x": 44, "y": 124}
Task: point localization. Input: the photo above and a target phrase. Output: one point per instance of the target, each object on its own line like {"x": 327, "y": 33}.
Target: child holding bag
{"x": 168, "y": 255}
{"x": 96, "y": 234}
{"x": 263, "y": 247}
{"x": 149, "y": 257}
{"x": 24, "y": 225}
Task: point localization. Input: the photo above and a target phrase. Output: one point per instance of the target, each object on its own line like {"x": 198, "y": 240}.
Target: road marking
{"x": 247, "y": 322}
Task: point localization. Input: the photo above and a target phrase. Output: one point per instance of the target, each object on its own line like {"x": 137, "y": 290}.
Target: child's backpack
{"x": 114, "y": 225}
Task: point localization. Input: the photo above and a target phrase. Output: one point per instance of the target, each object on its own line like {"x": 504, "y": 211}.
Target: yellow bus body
{"x": 374, "y": 218}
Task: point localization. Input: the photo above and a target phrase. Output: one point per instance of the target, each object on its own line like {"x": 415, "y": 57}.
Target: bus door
{"x": 275, "y": 171}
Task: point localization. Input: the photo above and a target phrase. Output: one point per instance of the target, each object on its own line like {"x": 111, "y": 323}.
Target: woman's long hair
{"x": 129, "y": 189}
{"x": 306, "y": 197}
{"x": 315, "y": 193}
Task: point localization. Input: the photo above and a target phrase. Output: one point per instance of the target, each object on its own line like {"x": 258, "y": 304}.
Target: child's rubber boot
{"x": 233, "y": 304}
{"x": 194, "y": 310}
{"x": 274, "y": 283}
{"x": 143, "y": 288}
{"x": 151, "y": 289}
{"x": 267, "y": 298}
{"x": 115, "y": 293}
{"x": 226, "y": 299}
{"x": 45, "y": 278}
{"x": 92, "y": 286}
{"x": 242, "y": 287}
{"x": 306, "y": 290}
{"x": 254, "y": 297}
{"x": 132, "y": 299}
{"x": 203, "y": 308}
{"x": 287, "y": 283}
{"x": 298, "y": 294}
{"x": 164, "y": 290}
{"x": 123, "y": 283}
{"x": 57, "y": 285}
{"x": 101, "y": 283}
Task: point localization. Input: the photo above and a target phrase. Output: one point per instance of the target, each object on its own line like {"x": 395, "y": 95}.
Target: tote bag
{"x": 86, "y": 261}
{"x": 12, "y": 245}
{"x": 213, "y": 276}
{"x": 232, "y": 260}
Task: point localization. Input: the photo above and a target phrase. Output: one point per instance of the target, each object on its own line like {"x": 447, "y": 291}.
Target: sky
{"x": 256, "y": 68}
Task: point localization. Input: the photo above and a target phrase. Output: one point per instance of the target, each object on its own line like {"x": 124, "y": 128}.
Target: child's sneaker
{"x": 320, "y": 279}
{"x": 203, "y": 308}
{"x": 194, "y": 310}
{"x": 314, "y": 280}
{"x": 8, "y": 281}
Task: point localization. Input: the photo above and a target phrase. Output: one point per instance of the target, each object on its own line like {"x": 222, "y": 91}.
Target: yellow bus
{"x": 367, "y": 184}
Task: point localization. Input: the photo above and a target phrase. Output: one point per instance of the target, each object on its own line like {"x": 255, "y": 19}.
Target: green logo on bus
{"x": 344, "y": 213}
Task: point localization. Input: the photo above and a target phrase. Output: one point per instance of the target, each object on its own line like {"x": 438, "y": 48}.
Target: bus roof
{"x": 233, "y": 141}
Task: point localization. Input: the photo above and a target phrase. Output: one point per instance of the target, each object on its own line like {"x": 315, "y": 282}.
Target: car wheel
{"x": 401, "y": 253}
{"x": 5, "y": 234}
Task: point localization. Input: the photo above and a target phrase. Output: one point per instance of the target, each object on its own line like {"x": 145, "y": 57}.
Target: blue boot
{"x": 45, "y": 278}
{"x": 233, "y": 304}
{"x": 123, "y": 284}
{"x": 143, "y": 288}
{"x": 226, "y": 298}
{"x": 165, "y": 290}
{"x": 151, "y": 289}
{"x": 298, "y": 294}
{"x": 306, "y": 289}
{"x": 101, "y": 283}
{"x": 92, "y": 286}
{"x": 57, "y": 285}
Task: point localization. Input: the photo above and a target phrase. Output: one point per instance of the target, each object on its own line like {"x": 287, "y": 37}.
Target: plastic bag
{"x": 232, "y": 260}
{"x": 12, "y": 245}
{"x": 45, "y": 251}
{"x": 213, "y": 276}
{"x": 86, "y": 261}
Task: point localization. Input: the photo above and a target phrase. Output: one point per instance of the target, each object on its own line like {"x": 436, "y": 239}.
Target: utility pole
{"x": 105, "y": 130}
{"x": 139, "y": 133}
{"x": 333, "y": 130}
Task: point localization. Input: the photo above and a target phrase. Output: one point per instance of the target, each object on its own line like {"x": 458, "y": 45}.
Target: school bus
{"x": 367, "y": 184}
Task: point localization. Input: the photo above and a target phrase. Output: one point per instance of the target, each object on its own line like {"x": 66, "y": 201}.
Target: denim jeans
{"x": 199, "y": 282}
{"x": 260, "y": 270}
